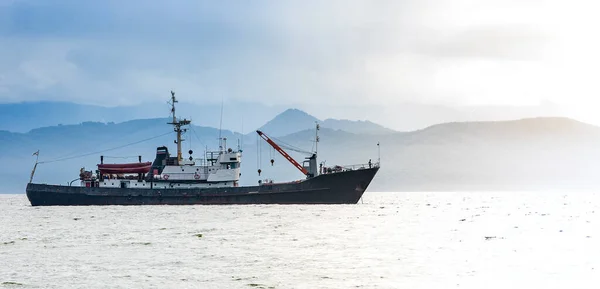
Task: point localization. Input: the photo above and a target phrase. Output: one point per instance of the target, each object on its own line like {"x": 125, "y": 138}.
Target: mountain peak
{"x": 294, "y": 120}
{"x": 290, "y": 121}
{"x": 294, "y": 112}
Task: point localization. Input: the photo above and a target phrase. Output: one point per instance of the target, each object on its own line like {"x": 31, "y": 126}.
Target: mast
{"x": 318, "y": 127}
{"x": 222, "y": 147}
{"x": 177, "y": 123}
{"x": 37, "y": 156}
{"x": 378, "y": 154}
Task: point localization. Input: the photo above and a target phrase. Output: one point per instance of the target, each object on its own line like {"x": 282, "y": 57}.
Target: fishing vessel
{"x": 214, "y": 179}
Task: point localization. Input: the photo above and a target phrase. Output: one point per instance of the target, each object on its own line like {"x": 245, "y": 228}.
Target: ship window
{"x": 179, "y": 185}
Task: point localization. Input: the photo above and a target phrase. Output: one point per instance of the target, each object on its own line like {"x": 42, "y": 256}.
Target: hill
{"x": 295, "y": 120}
{"x": 25, "y": 116}
{"x": 248, "y": 116}
{"x": 289, "y": 121}
{"x": 528, "y": 154}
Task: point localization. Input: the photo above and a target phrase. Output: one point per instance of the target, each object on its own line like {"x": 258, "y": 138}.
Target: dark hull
{"x": 337, "y": 188}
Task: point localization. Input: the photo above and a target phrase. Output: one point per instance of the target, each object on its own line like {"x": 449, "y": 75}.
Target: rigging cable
{"x": 290, "y": 147}
{"x": 242, "y": 147}
{"x": 196, "y": 135}
{"x": 190, "y": 141}
{"x": 258, "y": 155}
{"x": 106, "y": 150}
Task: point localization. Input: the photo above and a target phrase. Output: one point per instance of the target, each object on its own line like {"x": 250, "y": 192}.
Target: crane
{"x": 282, "y": 152}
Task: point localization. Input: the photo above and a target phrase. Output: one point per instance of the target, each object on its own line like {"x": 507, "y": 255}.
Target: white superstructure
{"x": 217, "y": 168}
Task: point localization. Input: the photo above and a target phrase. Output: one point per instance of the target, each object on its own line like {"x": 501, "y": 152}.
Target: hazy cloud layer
{"x": 302, "y": 53}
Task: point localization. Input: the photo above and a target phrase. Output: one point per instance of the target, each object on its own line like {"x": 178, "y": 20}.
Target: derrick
{"x": 282, "y": 152}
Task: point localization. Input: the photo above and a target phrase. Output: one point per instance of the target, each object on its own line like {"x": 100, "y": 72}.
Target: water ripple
{"x": 393, "y": 240}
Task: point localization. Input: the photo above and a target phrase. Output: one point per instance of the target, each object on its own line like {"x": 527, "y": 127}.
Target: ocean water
{"x": 391, "y": 240}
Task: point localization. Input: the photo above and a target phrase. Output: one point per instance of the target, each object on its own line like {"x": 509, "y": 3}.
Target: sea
{"x": 387, "y": 240}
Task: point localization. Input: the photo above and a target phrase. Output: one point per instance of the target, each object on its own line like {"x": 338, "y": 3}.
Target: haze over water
{"x": 392, "y": 240}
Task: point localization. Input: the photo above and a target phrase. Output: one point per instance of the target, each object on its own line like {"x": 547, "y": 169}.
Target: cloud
{"x": 296, "y": 52}
{"x": 518, "y": 42}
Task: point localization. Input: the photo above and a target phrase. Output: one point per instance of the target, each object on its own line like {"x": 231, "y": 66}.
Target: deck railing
{"x": 343, "y": 168}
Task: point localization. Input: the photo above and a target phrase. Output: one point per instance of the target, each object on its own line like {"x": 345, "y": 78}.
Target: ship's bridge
{"x": 216, "y": 167}
{"x": 230, "y": 159}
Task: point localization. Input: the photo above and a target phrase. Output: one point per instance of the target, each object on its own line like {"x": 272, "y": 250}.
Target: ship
{"x": 214, "y": 179}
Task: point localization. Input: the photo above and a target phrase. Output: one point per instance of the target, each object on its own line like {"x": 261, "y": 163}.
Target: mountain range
{"x": 248, "y": 116}
{"x": 295, "y": 120}
{"x": 546, "y": 153}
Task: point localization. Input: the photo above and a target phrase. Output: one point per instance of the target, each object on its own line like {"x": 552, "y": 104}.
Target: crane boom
{"x": 282, "y": 152}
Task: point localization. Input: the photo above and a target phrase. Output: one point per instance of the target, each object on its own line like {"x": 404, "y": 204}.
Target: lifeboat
{"x": 130, "y": 168}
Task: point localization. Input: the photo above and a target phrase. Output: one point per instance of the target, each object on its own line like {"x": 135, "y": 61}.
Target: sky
{"x": 338, "y": 54}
